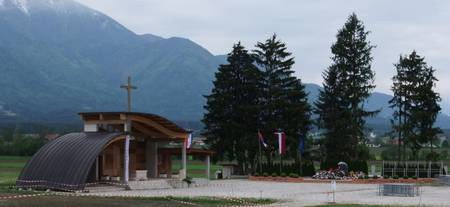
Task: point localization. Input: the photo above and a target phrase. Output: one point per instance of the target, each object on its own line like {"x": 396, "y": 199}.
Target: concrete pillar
{"x": 97, "y": 178}
{"x": 183, "y": 161}
{"x": 127, "y": 129}
{"x": 208, "y": 167}
{"x": 151, "y": 159}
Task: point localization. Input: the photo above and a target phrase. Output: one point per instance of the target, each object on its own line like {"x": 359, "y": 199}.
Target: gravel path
{"x": 299, "y": 194}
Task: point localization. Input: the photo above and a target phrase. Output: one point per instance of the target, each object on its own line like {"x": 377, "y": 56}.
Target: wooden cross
{"x": 129, "y": 87}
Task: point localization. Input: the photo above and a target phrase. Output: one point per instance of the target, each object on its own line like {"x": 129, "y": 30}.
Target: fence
{"x": 406, "y": 190}
{"x": 420, "y": 169}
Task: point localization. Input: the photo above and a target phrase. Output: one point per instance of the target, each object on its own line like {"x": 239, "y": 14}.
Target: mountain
{"x": 377, "y": 101}
{"x": 58, "y": 57}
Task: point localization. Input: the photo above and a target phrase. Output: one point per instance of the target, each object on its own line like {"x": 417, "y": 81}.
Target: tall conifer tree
{"x": 415, "y": 103}
{"x": 232, "y": 110}
{"x": 284, "y": 104}
{"x": 348, "y": 83}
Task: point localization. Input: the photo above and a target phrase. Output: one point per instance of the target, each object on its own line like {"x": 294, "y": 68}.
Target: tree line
{"x": 256, "y": 91}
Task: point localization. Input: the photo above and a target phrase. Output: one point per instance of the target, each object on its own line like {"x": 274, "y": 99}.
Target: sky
{"x": 307, "y": 27}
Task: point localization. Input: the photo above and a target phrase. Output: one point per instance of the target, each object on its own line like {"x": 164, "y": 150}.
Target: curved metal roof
{"x": 65, "y": 162}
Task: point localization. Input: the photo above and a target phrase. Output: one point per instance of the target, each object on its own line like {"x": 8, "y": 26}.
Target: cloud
{"x": 308, "y": 28}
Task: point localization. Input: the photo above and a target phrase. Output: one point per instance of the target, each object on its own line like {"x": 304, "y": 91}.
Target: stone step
{"x": 150, "y": 184}
{"x": 104, "y": 188}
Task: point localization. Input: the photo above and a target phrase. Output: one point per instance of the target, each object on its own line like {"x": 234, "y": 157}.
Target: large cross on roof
{"x": 129, "y": 87}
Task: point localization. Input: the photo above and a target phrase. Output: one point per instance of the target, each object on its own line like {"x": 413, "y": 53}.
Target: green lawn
{"x": 195, "y": 168}
{"x": 10, "y": 167}
{"x": 354, "y": 205}
{"x": 68, "y": 201}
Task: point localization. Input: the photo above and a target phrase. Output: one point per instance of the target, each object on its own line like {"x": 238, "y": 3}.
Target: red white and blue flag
{"x": 281, "y": 142}
{"x": 261, "y": 139}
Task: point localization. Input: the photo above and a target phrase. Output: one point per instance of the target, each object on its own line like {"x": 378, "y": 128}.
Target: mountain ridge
{"x": 56, "y": 61}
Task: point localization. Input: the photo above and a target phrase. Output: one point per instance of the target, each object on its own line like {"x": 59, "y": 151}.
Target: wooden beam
{"x": 104, "y": 122}
{"x": 158, "y": 127}
{"x": 145, "y": 130}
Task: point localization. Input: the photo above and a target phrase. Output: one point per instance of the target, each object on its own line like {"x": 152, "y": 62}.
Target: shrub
{"x": 375, "y": 177}
{"x": 405, "y": 177}
{"x": 414, "y": 177}
{"x": 308, "y": 169}
{"x": 386, "y": 177}
{"x": 265, "y": 174}
{"x": 283, "y": 175}
{"x": 395, "y": 176}
{"x": 274, "y": 174}
{"x": 255, "y": 174}
{"x": 293, "y": 175}
{"x": 366, "y": 177}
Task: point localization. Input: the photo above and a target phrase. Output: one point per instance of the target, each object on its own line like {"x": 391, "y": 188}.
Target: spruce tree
{"x": 348, "y": 83}
{"x": 284, "y": 104}
{"x": 232, "y": 109}
{"x": 416, "y": 103}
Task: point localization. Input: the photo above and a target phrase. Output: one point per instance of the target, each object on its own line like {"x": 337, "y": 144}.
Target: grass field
{"x": 195, "y": 168}
{"x": 44, "y": 201}
{"x": 10, "y": 167}
{"x": 353, "y": 205}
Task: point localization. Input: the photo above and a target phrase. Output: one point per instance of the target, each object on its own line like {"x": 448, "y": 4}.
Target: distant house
{"x": 51, "y": 137}
{"x": 373, "y": 145}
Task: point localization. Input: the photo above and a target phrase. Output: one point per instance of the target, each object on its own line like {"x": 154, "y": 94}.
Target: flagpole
{"x": 301, "y": 166}
{"x": 260, "y": 157}
{"x": 281, "y": 163}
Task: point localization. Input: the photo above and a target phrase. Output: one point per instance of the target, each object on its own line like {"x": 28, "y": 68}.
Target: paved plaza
{"x": 299, "y": 194}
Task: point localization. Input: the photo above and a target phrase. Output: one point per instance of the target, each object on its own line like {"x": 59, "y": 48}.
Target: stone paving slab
{"x": 299, "y": 194}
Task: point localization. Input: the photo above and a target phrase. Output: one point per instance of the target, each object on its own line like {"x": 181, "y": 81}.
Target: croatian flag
{"x": 261, "y": 139}
{"x": 189, "y": 141}
{"x": 281, "y": 142}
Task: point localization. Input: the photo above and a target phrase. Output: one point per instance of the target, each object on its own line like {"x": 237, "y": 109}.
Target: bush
{"x": 395, "y": 176}
{"x": 265, "y": 174}
{"x": 274, "y": 174}
{"x": 308, "y": 169}
{"x": 293, "y": 175}
{"x": 414, "y": 177}
{"x": 405, "y": 177}
{"x": 283, "y": 175}
{"x": 366, "y": 177}
{"x": 375, "y": 177}
{"x": 386, "y": 177}
{"x": 256, "y": 174}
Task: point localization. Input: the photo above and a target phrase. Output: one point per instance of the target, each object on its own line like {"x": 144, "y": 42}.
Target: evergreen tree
{"x": 415, "y": 102}
{"x": 284, "y": 104}
{"x": 232, "y": 109}
{"x": 348, "y": 83}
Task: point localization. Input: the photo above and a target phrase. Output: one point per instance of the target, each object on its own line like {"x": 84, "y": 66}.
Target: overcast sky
{"x": 308, "y": 28}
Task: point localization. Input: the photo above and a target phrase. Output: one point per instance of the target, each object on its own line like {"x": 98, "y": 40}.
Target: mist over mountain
{"x": 378, "y": 101}
{"x": 58, "y": 57}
